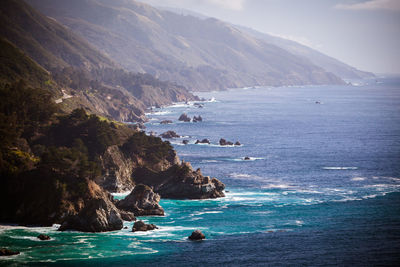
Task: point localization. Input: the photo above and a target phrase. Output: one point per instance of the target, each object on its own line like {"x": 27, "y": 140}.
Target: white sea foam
{"x": 244, "y": 176}
{"x": 205, "y": 212}
{"x": 340, "y": 168}
{"x": 358, "y": 179}
{"x": 277, "y": 186}
{"x": 158, "y": 113}
{"x": 122, "y": 194}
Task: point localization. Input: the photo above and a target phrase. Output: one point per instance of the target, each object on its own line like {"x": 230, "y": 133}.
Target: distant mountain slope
{"x": 44, "y": 53}
{"x": 330, "y": 64}
{"x": 200, "y": 54}
{"x": 45, "y": 40}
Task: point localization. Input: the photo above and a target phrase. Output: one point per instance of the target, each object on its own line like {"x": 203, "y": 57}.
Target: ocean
{"x": 321, "y": 187}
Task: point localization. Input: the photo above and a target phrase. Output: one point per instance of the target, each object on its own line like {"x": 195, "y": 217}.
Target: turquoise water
{"x": 322, "y": 186}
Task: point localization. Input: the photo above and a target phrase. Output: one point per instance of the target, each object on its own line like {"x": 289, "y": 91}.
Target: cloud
{"x": 227, "y": 4}
{"x": 235, "y": 5}
{"x": 372, "y": 5}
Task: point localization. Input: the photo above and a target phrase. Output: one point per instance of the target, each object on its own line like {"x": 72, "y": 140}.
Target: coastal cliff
{"x": 61, "y": 168}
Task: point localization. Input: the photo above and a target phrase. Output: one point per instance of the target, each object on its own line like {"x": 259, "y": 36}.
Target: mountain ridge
{"x": 199, "y": 54}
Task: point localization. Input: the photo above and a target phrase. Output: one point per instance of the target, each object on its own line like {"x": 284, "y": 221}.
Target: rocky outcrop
{"x": 99, "y": 213}
{"x": 166, "y": 122}
{"x": 141, "y": 226}
{"x": 117, "y": 171}
{"x": 197, "y": 119}
{"x": 223, "y": 142}
{"x": 43, "y": 237}
{"x": 169, "y": 135}
{"x": 127, "y": 215}
{"x": 181, "y": 182}
{"x": 204, "y": 141}
{"x": 246, "y": 158}
{"x": 184, "y": 117}
{"x": 197, "y": 235}
{"x": 7, "y": 252}
{"x": 142, "y": 201}
{"x": 185, "y": 142}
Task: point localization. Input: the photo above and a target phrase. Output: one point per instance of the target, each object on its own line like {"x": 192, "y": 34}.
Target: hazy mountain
{"x": 330, "y": 64}
{"x": 199, "y": 54}
{"x": 44, "y": 53}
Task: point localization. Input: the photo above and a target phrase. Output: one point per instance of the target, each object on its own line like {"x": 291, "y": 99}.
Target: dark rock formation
{"x": 185, "y": 142}
{"x": 223, "y": 142}
{"x": 198, "y": 105}
{"x": 98, "y": 215}
{"x": 142, "y": 201}
{"x": 196, "y": 119}
{"x": 169, "y": 134}
{"x": 43, "y": 237}
{"x": 127, "y": 215}
{"x": 181, "y": 182}
{"x": 7, "y": 252}
{"x": 197, "y": 235}
{"x": 184, "y": 117}
{"x": 117, "y": 171}
{"x": 246, "y": 158}
{"x": 166, "y": 122}
{"x": 141, "y": 226}
{"x": 204, "y": 141}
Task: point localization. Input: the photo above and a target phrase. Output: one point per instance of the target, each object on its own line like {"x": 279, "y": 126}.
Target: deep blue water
{"x": 322, "y": 186}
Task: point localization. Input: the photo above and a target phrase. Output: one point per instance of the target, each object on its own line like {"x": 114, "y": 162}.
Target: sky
{"x": 362, "y": 33}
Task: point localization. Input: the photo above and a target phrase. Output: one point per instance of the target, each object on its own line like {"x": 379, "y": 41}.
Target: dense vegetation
{"x": 47, "y": 157}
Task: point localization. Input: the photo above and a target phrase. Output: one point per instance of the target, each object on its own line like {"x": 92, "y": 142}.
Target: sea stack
{"x": 197, "y": 235}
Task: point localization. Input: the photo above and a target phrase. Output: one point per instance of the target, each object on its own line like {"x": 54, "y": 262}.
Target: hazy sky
{"x": 362, "y": 33}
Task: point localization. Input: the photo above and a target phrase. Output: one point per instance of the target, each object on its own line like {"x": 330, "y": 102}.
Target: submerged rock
{"x": 169, "y": 134}
{"x": 142, "y": 201}
{"x": 184, "y": 117}
{"x": 196, "y": 119}
{"x": 141, "y": 226}
{"x": 7, "y": 252}
{"x": 43, "y": 237}
{"x": 185, "y": 142}
{"x": 166, "y": 122}
{"x": 246, "y": 158}
{"x": 197, "y": 235}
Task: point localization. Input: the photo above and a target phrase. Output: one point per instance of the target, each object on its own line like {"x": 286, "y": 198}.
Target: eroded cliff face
{"x": 99, "y": 213}
{"x": 117, "y": 171}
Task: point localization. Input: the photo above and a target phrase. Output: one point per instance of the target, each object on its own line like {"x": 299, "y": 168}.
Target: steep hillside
{"x": 199, "y": 54}
{"x": 15, "y": 65}
{"x": 45, "y": 40}
{"x": 44, "y": 53}
{"x": 60, "y": 168}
